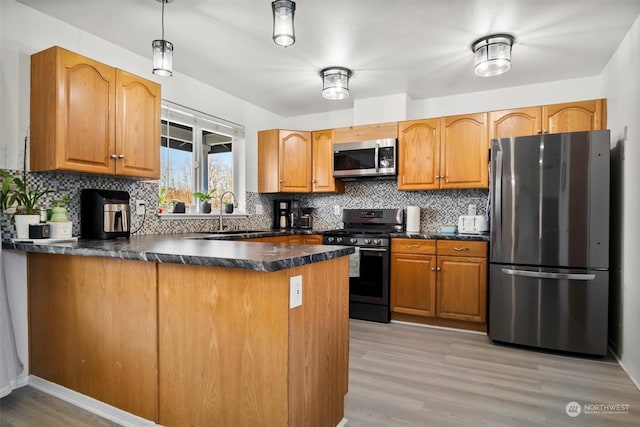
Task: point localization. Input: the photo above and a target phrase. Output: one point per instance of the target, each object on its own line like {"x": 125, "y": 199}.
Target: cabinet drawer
{"x": 413, "y": 246}
{"x": 462, "y": 248}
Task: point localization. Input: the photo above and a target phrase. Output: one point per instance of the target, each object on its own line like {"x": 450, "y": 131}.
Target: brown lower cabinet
{"x": 188, "y": 345}
{"x": 440, "y": 282}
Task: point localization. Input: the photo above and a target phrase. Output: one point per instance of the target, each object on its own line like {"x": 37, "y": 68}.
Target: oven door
{"x": 369, "y": 276}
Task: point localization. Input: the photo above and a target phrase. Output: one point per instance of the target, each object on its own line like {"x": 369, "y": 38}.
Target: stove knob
{"x": 367, "y": 241}
{"x": 331, "y": 239}
{"x": 376, "y": 241}
{"x": 353, "y": 240}
{"x": 339, "y": 239}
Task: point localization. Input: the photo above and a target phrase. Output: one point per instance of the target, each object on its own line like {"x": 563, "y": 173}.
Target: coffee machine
{"x": 286, "y": 214}
{"x": 104, "y": 214}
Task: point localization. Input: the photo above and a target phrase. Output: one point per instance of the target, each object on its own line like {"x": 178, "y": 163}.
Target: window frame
{"x": 199, "y": 122}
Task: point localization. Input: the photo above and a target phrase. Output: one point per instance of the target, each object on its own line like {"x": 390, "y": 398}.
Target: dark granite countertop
{"x": 198, "y": 249}
{"x": 484, "y": 237}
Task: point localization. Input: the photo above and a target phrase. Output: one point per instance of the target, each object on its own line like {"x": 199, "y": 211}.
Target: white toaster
{"x": 472, "y": 224}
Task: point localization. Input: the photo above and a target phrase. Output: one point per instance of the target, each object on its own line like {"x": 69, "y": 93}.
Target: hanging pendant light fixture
{"x": 283, "y": 30}
{"x": 162, "y": 51}
{"x": 492, "y": 54}
{"x": 335, "y": 82}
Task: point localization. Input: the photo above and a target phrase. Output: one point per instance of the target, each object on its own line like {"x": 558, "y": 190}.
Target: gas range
{"x": 366, "y": 227}
{"x": 347, "y": 238}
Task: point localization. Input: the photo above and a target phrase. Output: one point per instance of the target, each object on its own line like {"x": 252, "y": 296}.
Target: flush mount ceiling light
{"x": 492, "y": 54}
{"x": 162, "y": 51}
{"x": 283, "y": 31}
{"x": 335, "y": 82}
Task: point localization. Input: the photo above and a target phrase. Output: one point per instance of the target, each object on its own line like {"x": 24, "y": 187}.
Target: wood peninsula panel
{"x": 92, "y": 328}
{"x": 365, "y": 132}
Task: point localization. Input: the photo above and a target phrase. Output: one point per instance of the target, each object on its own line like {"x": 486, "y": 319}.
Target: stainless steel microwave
{"x": 365, "y": 159}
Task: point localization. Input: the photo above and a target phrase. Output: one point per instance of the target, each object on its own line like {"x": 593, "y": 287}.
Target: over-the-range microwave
{"x": 365, "y": 159}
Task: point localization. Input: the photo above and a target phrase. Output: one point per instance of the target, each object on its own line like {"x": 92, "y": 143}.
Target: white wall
{"x": 24, "y": 31}
{"x": 621, "y": 84}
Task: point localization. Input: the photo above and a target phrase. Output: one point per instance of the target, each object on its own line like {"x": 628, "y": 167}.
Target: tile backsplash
{"x": 438, "y": 207}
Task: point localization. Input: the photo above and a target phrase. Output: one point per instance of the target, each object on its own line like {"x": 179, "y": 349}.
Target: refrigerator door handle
{"x": 546, "y": 275}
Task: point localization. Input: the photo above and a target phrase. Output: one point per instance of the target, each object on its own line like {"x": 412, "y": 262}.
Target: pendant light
{"x": 335, "y": 82}
{"x": 162, "y": 51}
{"x": 283, "y": 31}
{"x": 492, "y": 54}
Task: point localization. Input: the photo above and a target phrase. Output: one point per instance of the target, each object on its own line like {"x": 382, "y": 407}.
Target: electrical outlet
{"x": 336, "y": 210}
{"x": 141, "y": 206}
{"x": 259, "y": 209}
{"x": 295, "y": 291}
{"x": 473, "y": 209}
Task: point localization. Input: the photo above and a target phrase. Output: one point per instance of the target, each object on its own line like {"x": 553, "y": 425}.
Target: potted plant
{"x": 16, "y": 193}
{"x": 60, "y": 225}
{"x": 205, "y": 200}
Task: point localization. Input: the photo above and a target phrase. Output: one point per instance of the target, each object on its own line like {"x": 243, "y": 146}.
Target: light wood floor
{"x": 402, "y": 375}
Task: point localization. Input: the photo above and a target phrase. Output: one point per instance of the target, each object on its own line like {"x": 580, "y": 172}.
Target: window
{"x": 198, "y": 153}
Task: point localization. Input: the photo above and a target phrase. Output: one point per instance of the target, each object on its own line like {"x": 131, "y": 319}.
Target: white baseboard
{"x": 87, "y": 403}
{"x": 342, "y": 423}
{"x": 633, "y": 380}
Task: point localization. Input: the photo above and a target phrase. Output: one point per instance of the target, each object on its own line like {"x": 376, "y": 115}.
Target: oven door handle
{"x": 373, "y": 249}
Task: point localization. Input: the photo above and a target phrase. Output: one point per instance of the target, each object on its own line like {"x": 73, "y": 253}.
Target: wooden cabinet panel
{"x": 312, "y": 239}
{"x": 464, "y": 158}
{"x": 419, "y": 155}
{"x": 413, "y": 284}
{"x": 462, "y": 248}
{"x": 92, "y": 328}
{"x": 138, "y": 129}
{"x": 90, "y": 117}
{"x": 294, "y": 161}
{"x": 322, "y": 164}
{"x": 365, "y": 132}
{"x": 574, "y": 116}
{"x": 413, "y": 246}
{"x": 268, "y": 170}
{"x": 462, "y": 288}
{"x": 515, "y": 122}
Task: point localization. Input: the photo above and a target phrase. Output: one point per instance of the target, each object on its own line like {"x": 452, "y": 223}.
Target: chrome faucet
{"x": 235, "y": 204}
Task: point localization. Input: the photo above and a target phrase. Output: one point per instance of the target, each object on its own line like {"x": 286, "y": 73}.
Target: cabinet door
{"x": 462, "y": 288}
{"x": 515, "y": 122}
{"x": 574, "y": 116}
{"x": 312, "y": 239}
{"x": 138, "y": 126}
{"x": 294, "y": 161}
{"x": 419, "y": 155}
{"x": 322, "y": 160}
{"x": 72, "y": 112}
{"x": 413, "y": 288}
{"x": 464, "y": 151}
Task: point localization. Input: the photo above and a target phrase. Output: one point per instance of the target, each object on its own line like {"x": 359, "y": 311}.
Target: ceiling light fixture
{"x": 492, "y": 54}
{"x": 162, "y": 51}
{"x": 335, "y": 82}
{"x": 283, "y": 31}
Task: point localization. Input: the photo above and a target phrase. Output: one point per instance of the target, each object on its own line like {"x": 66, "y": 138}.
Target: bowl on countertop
{"x": 449, "y": 229}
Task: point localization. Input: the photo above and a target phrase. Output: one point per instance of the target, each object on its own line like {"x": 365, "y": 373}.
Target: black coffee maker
{"x": 104, "y": 214}
{"x": 286, "y": 214}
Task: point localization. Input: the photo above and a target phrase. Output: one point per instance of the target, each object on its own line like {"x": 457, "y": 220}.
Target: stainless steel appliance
{"x": 104, "y": 214}
{"x": 365, "y": 159}
{"x": 282, "y": 214}
{"x": 549, "y": 257}
{"x": 368, "y": 230}
{"x": 305, "y": 218}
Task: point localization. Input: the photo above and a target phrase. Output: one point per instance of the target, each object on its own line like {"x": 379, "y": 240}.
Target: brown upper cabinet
{"x": 365, "y": 132}
{"x": 441, "y": 153}
{"x": 555, "y": 118}
{"x": 322, "y": 180}
{"x": 284, "y": 161}
{"x": 89, "y": 117}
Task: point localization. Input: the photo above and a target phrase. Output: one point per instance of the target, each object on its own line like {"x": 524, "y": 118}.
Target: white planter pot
{"x": 22, "y": 224}
{"x": 60, "y": 229}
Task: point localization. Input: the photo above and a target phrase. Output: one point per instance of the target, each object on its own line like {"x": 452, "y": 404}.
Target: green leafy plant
{"x": 15, "y": 192}
{"x": 203, "y": 197}
{"x": 63, "y": 202}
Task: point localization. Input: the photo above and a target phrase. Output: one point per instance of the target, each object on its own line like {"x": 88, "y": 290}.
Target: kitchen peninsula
{"x": 185, "y": 331}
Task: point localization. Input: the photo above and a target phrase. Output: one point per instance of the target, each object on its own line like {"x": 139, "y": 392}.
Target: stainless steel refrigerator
{"x": 549, "y": 257}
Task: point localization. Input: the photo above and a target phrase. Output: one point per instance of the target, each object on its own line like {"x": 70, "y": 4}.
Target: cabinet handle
{"x": 461, "y": 249}
{"x": 281, "y": 181}
{"x": 438, "y": 177}
{"x": 546, "y": 131}
{"x": 113, "y": 156}
{"x": 121, "y": 156}
{"x": 438, "y": 269}
{"x": 412, "y": 246}
{"x": 539, "y": 131}
{"x": 433, "y": 269}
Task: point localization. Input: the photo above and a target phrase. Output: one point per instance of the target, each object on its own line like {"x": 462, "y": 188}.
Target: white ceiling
{"x": 417, "y": 47}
